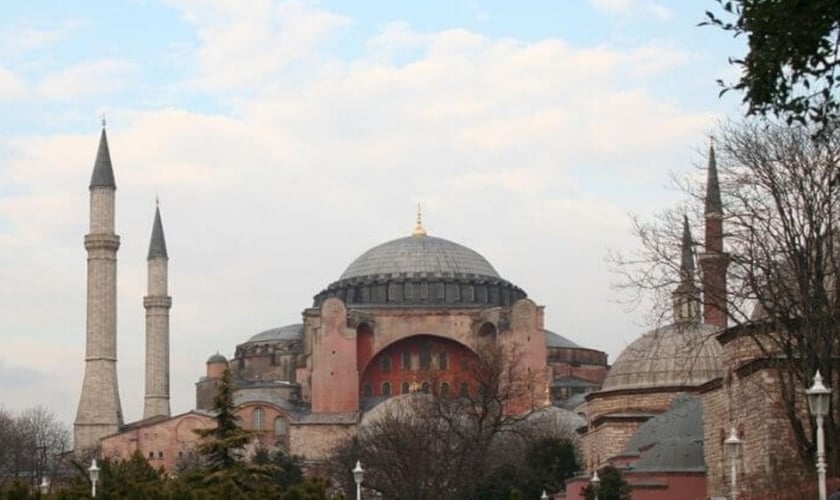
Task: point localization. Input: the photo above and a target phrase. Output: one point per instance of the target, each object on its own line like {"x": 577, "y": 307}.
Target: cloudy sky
{"x": 287, "y": 137}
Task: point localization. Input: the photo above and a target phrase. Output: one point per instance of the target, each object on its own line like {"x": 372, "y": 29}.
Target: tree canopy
{"x": 791, "y": 67}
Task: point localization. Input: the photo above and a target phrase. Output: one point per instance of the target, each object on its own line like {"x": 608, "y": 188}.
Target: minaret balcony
{"x": 151, "y": 301}
{"x": 102, "y": 242}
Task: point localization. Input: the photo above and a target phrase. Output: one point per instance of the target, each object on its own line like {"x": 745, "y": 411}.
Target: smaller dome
{"x": 556, "y": 340}
{"x": 288, "y": 332}
{"x": 216, "y": 358}
{"x": 672, "y": 356}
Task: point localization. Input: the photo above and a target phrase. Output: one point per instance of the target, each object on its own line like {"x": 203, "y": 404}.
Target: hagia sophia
{"x": 414, "y": 311}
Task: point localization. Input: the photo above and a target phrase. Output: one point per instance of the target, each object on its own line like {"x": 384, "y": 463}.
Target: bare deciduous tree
{"x": 446, "y": 446}
{"x": 781, "y": 208}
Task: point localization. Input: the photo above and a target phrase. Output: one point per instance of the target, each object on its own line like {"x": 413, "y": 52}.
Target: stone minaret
{"x": 99, "y": 412}
{"x": 686, "y": 299}
{"x": 157, "y": 304}
{"x": 714, "y": 261}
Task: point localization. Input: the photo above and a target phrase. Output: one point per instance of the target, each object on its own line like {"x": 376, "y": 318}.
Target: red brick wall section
{"x": 162, "y": 443}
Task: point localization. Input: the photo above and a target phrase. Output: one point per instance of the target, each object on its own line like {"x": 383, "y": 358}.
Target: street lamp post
{"x": 358, "y": 475}
{"x": 94, "y": 476}
{"x": 544, "y": 496}
{"x": 44, "y": 487}
{"x": 596, "y": 482}
{"x": 733, "y": 447}
{"x": 819, "y": 399}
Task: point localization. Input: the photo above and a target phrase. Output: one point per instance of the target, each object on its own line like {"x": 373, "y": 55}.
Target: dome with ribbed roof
{"x": 679, "y": 355}
{"x": 421, "y": 256}
{"x": 421, "y": 270}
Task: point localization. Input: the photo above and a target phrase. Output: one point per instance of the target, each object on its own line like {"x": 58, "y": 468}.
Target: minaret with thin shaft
{"x": 100, "y": 413}
{"x": 685, "y": 299}
{"x": 714, "y": 261}
{"x": 157, "y": 304}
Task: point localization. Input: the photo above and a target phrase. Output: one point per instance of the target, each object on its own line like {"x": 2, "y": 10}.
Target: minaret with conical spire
{"x": 685, "y": 299}
{"x": 714, "y": 261}
{"x": 99, "y": 413}
{"x": 157, "y": 304}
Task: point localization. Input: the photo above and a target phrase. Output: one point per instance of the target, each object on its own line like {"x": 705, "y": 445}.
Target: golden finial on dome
{"x": 419, "y": 230}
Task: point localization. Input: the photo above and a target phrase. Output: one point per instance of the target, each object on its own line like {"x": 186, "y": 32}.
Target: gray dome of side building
{"x": 556, "y": 340}
{"x": 288, "y": 332}
{"x": 676, "y": 355}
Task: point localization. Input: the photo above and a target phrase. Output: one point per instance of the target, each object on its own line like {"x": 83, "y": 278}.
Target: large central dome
{"x": 421, "y": 270}
{"x": 421, "y": 256}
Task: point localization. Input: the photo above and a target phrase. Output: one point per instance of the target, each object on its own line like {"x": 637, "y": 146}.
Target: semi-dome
{"x": 421, "y": 270}
{"x": 288, "y": 332}
{"x": 679, "y": 355}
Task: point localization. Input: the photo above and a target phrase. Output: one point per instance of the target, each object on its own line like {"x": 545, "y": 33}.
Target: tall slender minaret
{"x": 157, "y": 304}
{"x": 714, "y": 261}
{"x": 100, "y": 413}
{"x": 686, "y": 299}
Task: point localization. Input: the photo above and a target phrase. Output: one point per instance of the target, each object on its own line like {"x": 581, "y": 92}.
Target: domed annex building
{"x": 408, "y": 315}
{"x": 647, "y": 419}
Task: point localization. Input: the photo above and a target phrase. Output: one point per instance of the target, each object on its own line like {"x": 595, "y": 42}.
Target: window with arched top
{"x": 426, "y": 387}
{"x": 367, "y": 391}
{"x": 406, "y": 361}
{"x": 443, "y": 361}
{"x": 444, "y": 390}
{"x": 386, "y": 364}
{"x": 386, "y": 388}
{"x": 406, "y": 388}
{"x": 258, "y": 419}
{"x": 281, "y": 427}
{"x": 464, "y": 390}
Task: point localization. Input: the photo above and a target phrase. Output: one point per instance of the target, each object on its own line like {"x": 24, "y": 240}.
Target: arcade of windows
{"x": 423, "y": 361}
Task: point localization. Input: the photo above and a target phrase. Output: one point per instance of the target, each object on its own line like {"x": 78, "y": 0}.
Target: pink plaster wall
{"x": 335, "y": 376}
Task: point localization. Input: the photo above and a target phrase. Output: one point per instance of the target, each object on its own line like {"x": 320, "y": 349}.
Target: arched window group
{"x": 258, "y": 419}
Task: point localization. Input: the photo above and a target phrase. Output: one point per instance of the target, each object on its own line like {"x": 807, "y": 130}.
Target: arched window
{"x": 367, "y": 391}
{"x": 425, "y": 357}
{"x": 443, "y": 361}
{"x": 386, "y": 364}
{"x": 406, "y": 361}
{"x": 444, "y": 390}
{"x": 426, "y": 387}
{"x": 406, "y": 388}
{"x": 386, "y": 388}
{"x": 464, "y": 391}
{"x": 258, "y": 419}
{"x": 281, "y": 428}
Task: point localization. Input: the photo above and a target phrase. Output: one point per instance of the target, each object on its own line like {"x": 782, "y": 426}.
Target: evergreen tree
{"x": 223, "y": 445}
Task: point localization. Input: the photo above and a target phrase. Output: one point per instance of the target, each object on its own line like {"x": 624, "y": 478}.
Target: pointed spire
{"x": 687, "y": 263}
{"x": 419, "y": 230}
{"x": 103, "y": 173}
{"x": 685, "y": 299}
{"x": 713, "y": 203}
{"x": 157, "y": 246}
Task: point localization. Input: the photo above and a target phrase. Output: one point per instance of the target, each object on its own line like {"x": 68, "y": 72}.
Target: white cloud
{"x": 106, "y": 76}
{"x": 20, "y": 38}
{"x": 622, "y": 7}
{"x": 263, "y": 206}
{"x": 241, "y": 48}
{"x": 12, "y": 86}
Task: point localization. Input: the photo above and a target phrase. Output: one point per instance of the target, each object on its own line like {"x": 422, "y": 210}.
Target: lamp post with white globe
{"x": 733, "y": 447}
{"x": 94, "y": 476}
{"x": 819, "y": 399}
{"x": 358, "y": 475}
{"x": 596, "y": 482}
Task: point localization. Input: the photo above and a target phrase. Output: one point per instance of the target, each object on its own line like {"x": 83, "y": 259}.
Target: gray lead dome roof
{"x": 420, "y": 256}
{"x": 424, "y": 271}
